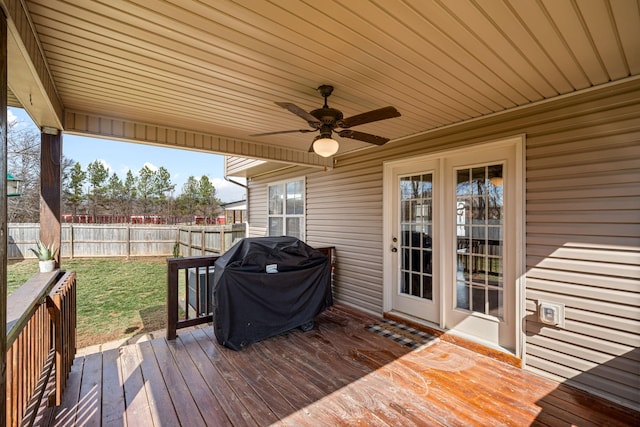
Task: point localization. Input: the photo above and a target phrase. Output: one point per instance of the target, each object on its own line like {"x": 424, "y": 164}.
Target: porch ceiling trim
{"x": 127, "y": 130}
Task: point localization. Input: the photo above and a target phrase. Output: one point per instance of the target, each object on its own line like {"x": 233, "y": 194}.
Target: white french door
{"x": 452, "y": 232}
{"x": 415, "y": 291}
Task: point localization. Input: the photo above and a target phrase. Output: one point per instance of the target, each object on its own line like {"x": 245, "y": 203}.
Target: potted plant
{"x": 46, "y": 255}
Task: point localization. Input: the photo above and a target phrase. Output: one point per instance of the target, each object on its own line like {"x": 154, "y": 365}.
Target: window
{"x": 286, "y": 209}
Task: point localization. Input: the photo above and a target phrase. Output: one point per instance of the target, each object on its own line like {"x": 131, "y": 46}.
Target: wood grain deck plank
{"x": 186, "y": 408}
{"x": 90, "y": 398}
{"x": 234, "y": 408}
{"x": 277, "y": 403}
{"x": 576, "y": 407}
{"x": 412, "y": 392}
{"x": 357, "y": 407}
{"x": 161, "y": 407}
{"x": 254, "y": 403}
{"x": 138, "y": 410}
{"x": 65, "y": 414}
{"x": 338, "y": 374}
{"x": 482, "y": 410}
{"x": 212, "y": 412}
{"x": 113, "y": 405}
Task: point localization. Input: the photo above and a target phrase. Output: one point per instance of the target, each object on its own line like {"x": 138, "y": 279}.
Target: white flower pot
{"x": 47, "y": 266}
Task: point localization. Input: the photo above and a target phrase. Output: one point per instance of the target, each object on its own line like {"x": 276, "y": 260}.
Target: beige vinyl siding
{"x": 257, "y": 209}
{"x": 582, "y": 229}
{"x": 355, "y": 228}
{"x": 583, "y": 235}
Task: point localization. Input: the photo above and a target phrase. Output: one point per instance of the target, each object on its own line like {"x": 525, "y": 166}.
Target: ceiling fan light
{"x": 325, "y": 147}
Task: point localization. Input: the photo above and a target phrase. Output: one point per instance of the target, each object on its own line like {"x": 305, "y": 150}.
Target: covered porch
{"x": 206, "y": 76}
{"x": 339, "y": 373}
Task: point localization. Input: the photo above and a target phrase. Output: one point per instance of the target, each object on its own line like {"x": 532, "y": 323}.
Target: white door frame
{"x": 518, "y": 301}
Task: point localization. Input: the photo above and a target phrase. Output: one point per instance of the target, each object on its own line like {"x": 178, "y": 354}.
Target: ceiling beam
{"x": 92, "y": 125}
{"x": 28, "y": 76}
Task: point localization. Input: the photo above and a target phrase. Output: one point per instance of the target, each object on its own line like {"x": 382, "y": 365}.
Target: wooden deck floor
{"x": 337, "y": 374}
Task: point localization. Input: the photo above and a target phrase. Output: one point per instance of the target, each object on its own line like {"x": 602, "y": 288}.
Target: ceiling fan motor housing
{"x": 327, "y": 116}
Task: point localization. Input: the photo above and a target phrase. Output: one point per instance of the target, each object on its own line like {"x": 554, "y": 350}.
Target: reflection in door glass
{"x": 416, "y": 232}
{"x": 479, "y": 232}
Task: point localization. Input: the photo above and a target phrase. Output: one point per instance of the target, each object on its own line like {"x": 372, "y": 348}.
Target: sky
{"x": 119, "y": 157}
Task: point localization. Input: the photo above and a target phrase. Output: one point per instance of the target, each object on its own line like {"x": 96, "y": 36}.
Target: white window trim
{"x": 284, "y": 182}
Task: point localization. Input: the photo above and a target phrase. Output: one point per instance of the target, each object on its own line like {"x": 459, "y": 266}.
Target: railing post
{"x": 172, "y": 300}
{"x": 62, "y": 309}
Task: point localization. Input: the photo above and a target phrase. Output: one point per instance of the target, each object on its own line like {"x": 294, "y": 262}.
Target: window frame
{"x": 283, "y": 186}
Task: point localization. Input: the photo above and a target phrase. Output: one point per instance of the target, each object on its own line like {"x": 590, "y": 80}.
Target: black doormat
{"x": 401, "y": 333}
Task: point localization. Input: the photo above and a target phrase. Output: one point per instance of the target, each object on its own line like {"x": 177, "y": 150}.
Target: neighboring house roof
{"x": 238, "y": 205}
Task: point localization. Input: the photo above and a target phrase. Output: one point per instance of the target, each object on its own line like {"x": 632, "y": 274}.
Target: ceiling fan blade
{"x": 370, "y": 116}
{"x": 298, "y": 112}
{"x": 284, "y": 131}
{"x": 361, "y": 136}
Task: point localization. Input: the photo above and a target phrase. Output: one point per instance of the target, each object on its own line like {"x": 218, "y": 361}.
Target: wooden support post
{"x": 3, "y": 215}
{"x": 50, "y": 190}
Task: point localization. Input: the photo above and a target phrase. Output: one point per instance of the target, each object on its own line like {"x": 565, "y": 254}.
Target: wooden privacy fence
{"x": 41, "y": 344}
{"x": 127, "y": 240}
{"x": 209, "y": 240}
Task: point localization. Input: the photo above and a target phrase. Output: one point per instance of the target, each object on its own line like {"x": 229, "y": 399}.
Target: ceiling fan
{"x": 327, "y": 119}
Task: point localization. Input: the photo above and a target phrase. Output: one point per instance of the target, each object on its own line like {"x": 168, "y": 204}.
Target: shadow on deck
{"x": 337, "y": 374}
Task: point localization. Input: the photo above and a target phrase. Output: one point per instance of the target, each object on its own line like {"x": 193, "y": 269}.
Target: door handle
{"x": 394, "y": 249}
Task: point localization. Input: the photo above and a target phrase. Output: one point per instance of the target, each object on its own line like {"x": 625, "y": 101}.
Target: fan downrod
{"x": 325, "y": 91}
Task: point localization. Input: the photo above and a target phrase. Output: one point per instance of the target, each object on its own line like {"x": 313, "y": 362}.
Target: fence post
{"x": 71, "y": 240}
{"x": 128, "y": 240}
{"x": 223, "y": 242}
{"x": 202, "y": 242}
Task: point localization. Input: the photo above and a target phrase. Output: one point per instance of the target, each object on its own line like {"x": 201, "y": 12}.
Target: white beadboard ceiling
{"x": 217, "y": 67}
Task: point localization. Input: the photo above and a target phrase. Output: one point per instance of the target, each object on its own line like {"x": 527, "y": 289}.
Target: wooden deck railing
{"x": 190, "y": 289}
{"x": 197, "y": 279}
{"x": 41, "y": 339}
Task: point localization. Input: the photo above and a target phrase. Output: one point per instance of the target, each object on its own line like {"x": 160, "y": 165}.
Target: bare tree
{"x": 23, "y": 162}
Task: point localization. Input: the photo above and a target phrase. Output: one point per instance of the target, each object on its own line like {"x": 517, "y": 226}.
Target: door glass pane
{"x": 416, "y": 228}
{"x": 479, "y": 232}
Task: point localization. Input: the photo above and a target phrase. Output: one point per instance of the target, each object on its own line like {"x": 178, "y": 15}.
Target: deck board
{"x": 113, "y": 401}
{"x": 337, "y": 374}
{"x": 158, "y": 397}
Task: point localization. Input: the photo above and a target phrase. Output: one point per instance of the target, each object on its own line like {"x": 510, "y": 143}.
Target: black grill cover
{"x": 250, "y": 304}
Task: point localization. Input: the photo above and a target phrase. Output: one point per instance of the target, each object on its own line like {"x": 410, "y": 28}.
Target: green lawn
{"x": 116, "y": 298}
